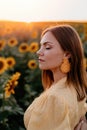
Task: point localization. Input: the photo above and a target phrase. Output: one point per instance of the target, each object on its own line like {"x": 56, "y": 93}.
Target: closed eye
{"x": 48, "y": 48}
{"x": 46, "y": 45}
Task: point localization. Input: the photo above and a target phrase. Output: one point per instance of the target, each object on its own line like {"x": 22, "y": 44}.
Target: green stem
{"x": 3, "y": 109}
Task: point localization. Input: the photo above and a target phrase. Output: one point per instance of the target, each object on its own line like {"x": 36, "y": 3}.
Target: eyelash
{"x": 48, "y": 48}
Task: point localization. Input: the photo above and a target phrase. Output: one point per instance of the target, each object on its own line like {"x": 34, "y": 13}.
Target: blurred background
{"x": 21, "y": 24}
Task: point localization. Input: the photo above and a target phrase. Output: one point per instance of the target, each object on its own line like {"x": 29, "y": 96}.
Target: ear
{"x": 67, "y": 54}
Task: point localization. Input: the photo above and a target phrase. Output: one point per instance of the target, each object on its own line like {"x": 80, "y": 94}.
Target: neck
{"x": 57, "y": 75}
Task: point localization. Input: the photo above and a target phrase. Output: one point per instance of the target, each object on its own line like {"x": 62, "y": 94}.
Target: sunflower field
{"x": 20, "y": 77}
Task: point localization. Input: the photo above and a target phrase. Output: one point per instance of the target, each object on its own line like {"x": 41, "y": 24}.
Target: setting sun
{"x": 42, "y": 10}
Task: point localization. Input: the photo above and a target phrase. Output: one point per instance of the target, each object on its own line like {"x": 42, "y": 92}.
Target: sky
{"x": 43, "y": 10}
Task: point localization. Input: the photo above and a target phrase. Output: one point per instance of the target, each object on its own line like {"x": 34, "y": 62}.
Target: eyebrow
{"x": 44, "y": 43}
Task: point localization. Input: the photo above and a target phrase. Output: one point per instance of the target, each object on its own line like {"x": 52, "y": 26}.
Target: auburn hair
{"x": 70, "y": 41}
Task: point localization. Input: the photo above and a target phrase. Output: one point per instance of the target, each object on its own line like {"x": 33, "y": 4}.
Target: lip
{"x": 40, "y": 60}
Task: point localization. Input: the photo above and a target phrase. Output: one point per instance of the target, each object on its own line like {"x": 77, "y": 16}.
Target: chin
{"x": 41, "y": 68}
{"x": 44, "y": 67}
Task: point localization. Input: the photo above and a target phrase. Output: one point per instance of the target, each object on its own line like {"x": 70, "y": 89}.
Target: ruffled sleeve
{"x": 48, "y": 112}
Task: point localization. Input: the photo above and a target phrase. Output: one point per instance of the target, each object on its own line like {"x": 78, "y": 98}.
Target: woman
{"x": 61, "y": 105}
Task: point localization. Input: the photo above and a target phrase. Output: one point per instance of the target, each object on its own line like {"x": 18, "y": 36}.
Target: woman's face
{"x": 50, "y": 54}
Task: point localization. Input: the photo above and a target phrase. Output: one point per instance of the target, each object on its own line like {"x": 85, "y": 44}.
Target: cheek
{"x": 55, "y": 59}
{"x": 55, "y": 62}
{"x": 51, "y": 62}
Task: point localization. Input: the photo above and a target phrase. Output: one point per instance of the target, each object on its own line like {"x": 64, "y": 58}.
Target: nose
{"x": 40, "y": 52}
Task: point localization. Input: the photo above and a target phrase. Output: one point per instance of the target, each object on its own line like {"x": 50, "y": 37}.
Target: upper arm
{"x": 50, "y": 112}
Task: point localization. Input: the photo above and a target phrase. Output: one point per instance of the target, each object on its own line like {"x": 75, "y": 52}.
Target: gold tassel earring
{"x": 65, "y": 66}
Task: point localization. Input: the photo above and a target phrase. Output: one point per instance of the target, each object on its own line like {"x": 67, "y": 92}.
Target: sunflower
{"x": 34, "y": 34}
{"x": 11, "y": 84}
{"x": 34, "y": 46}
{"x": 10, "y": 61}
{"x": 12, "y": 42}
{"x": 85, "y": 33}
{"x": 32, "y": 64}
{"x": 3, "y": 65}
{"x": 85, "y": 62}
{"x": 2, "y": 44}
{"x": 8, "y": 29}
{"x": 23, "y": 47}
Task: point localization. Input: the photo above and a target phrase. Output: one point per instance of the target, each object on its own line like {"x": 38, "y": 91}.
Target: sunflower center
{"x": 1, "y": 65}
{"x": 33, "y": 47}
{"x": 0, "y": 45}
{"x": 23, "y": 47}
{"x": 33, "y": 64}
{"x": 12, "y": 41}
{"x": 9, "y": 62}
